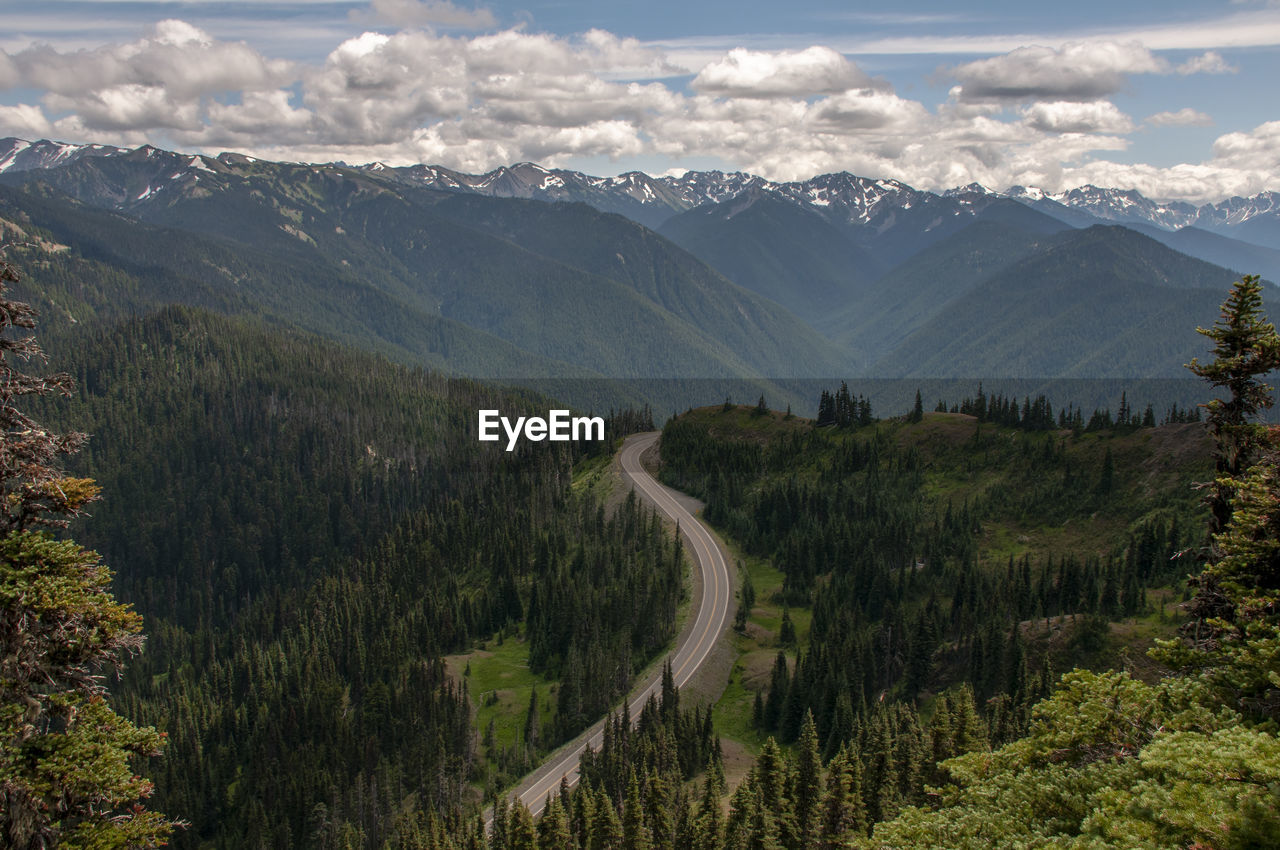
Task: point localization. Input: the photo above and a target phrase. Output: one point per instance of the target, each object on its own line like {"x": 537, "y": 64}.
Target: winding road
{"x": 695, "y": 643}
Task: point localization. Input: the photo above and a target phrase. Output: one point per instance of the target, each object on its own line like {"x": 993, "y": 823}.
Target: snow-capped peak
{"x": 974, "y": 188}
{"x": 1027, "y": 193}
{"x": 840, "y": 197}
{"x": 21, "y": 155}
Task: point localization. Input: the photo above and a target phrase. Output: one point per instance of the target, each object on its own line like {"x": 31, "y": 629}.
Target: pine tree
{"x": 670, "y": 702}
{"x": 606, "y": 829}
{"x": 808, "y": 781}
{"x": 778, "y": 683}
{"x": 748, "y": 601}
{"x": 881, "y": 788}
{"x": 635, "y": 835}
{"x": 738, "y": 824}
{"x": 1246, "y": 348}
{"x": 1236, "y": 628}
{"x": 521, "y": 832}
{"x": 1106, "y": 478}
{"x": 584, "y": 813}
{"x": 770, "y": 775}
{"x": 553, "y": 826}
{"x": 710, "y": 823}
{"x": 845, "y": 412}
{"x": 532, "y": 723}
{"x": 686, "y": 829}
{"x": 501, "y": 819}
{"x": 844, "y": 814}
{"x": 662, "y": 801}
{"x": 763, "y": 831}
{"x": 787, "y": 631}
{"x": 65, "y": 775}
{"x": 970, "y": 733}
{"x": 942, "y": 737}
{"x": 826, "y": 410}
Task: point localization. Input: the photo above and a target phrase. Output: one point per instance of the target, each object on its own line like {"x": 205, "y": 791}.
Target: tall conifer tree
{"x": 65, "y": 773}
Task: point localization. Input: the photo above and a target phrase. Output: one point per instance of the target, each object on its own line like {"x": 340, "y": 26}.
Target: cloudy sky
{"x": 1177, "y": 98}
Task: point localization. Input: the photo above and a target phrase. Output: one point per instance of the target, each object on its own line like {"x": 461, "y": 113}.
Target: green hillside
{"x": 308, "y": 530}
{"x": 1098, "y": 303}
{"x": 902, "y": 572}
{"x": 83, "y": 264}
{"x": 611, "y": 247}
{"x": 536, "y": 276}
{"x": 779, "y": 250}
{"x": 924, "y": 287}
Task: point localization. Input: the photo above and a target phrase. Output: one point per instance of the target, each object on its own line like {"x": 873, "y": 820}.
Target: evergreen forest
{"x": 991, "y": 622}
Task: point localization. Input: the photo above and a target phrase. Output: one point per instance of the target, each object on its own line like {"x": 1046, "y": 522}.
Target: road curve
{"x": 695, "y": 643}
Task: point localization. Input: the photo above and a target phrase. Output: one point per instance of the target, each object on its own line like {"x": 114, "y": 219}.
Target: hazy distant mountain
{"x": 1235, "y": 254}
{"x": 781, "y": 250}
{"x": 924, "y": 286}
{"x": 1255, "y": 219}
{"x": 1101, "y": 302}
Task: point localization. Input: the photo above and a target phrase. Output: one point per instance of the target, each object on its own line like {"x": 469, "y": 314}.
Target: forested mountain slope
{"x": 83, "y": 264}
{"x": 784, "y": 252}
{"x": 507, "y": 268}
{"x": 307, "y": 531}
{"x": 1102, "y": 302}
{"x": 911, "y": 586}
{"x": 923, "y": 287}
{"x": 489, "y": 283}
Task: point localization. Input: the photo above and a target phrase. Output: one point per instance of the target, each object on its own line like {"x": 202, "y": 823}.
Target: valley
{"x": 455, "y": 522}
{"x": 544, "y": 277}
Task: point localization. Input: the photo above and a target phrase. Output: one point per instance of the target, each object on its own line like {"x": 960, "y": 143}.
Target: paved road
{"x": 695, "y": 643}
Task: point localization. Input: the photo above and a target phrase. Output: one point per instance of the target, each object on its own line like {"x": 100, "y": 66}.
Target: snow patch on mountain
{"x": 842, "y": 198}
{"x": 20, "y": 155}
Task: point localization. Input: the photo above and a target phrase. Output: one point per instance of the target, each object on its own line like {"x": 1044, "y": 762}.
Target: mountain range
{"x": 528, "y": 272}
{"x": 529, "y": 283}
{"x": 839, "y": 197}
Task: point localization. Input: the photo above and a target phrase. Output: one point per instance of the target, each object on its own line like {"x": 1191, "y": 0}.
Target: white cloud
{"x": 866, "y": 110}
{"x": 8, "y": 72}
{"x": 261, "y": 114}
{"x": 515, "y": 52}
{"x": 1185, "y": 117}
{"x": 129, "y": 106}
{"x": 751, "y": 73}
{"x": 1035, "y": 115}
{"x": 1196, "y": 183}
{"x": 569, "y": 102}
{"x": 429, "y": 13}
{"x": 1257, "y": 151}
{"x": 1207, "y": 63}
{"x": 1243, "y": 163}
{"x": 374, "y": 89}
{"x": 1066, "y": 116}
{"x": 26, "y": 121}
{"x": 1079, "y": 71}
{"x": 1260, "y": 28}
{"x": 176, "y": 56}
{"x": 613, "y": 56}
